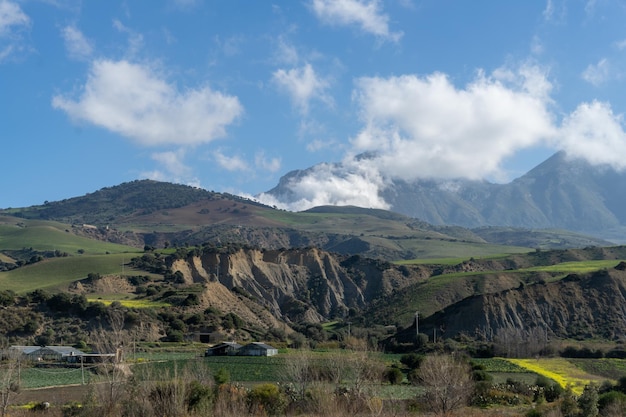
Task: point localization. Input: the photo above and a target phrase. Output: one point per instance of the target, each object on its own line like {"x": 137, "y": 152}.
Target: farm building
{"x": 49, "y": 353}
{"x": 232, "y": 349}
{"x": 223, "y": 349}
{"x": 257, "y": 349}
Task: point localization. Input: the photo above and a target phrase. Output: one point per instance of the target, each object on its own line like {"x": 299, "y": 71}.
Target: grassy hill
{"x": 44, "y": 235}
{"x": 56, "y": 274}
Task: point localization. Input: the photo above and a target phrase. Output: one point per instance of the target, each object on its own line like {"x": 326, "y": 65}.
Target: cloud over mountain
{"x": 424, "y": 127}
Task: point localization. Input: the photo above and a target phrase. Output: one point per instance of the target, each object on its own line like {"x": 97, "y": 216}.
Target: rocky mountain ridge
{"x": 559, "y": 193}
{"x": 294, "y": 285}
{"x": 579, "y": 307}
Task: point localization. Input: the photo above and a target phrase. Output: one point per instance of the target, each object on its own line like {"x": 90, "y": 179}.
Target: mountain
{"x": 523, "y": 318}
{"x": 215, "y": 259}
{"x": 560, "y": 193}
{"x": 150, "y": 213}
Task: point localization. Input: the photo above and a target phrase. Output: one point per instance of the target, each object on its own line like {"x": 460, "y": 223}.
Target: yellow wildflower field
{"x": 560, "y": 370}
{"x": 132, "y": 303}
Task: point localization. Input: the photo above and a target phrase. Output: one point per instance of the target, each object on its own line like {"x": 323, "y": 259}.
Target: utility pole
{"x": 417, "y": 326}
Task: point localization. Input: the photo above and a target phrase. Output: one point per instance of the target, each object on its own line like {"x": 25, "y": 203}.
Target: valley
{"x": 208, "y": 267}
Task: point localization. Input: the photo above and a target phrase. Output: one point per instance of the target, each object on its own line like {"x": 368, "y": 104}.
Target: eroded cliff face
{"x": 578, "y": 306}
{"x": 293, "y": 285}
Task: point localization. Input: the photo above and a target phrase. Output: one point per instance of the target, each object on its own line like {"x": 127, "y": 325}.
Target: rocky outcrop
{"x": 294, "y": 285}
{"x": 578, "y": 306}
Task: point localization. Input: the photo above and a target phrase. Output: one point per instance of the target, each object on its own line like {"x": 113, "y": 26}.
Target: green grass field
{"x": 56, "y": 273}
{"x": 50, "y": 236}
{"x": 576, "y": 267}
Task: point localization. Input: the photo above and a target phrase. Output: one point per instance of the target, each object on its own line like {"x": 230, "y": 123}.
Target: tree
{"x": 447, "y": 383}
{"x": 112, "y": 391}
{"x": 9, "y": 378}
{"x": 588, "y": 401}
{"x": 298, "y": 371}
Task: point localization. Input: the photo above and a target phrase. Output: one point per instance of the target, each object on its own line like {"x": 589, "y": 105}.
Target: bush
{"x": 221, "y": 376}
{"x": 612, "y": 398}
{"x": 393, "y": 375}
{"x": 480, "y": 375}
{"x": 199, "y": 397}
{"x": 268, "y": 398}
{"x": 411, "y": 360}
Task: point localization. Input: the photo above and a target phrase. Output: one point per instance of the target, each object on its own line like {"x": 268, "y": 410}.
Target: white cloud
{"x": 594, "y": 133}
{"x": 11, "y": 16}
{"x": 319, "y": 144}
{"x": 426, "y": 127}
{"x": 267, "y": 164}
{"x": 173, "y": 162}
{"x": 231, "y": 163}
{"x": 173, "y": 169}
{"x": 363, "y": 13}
{"x": 12, "y": 20}
{"x": 286, "y": 52}
{"x": 324, "y": 184}
{"x": 135, "y": 40}
{"x": 78, "y": 47}
{"x": 597, "y": 74}
{"x": 303, "y": 85}
{"x": 133, "y": 101}
{"x": 549, "y": 10}
{"x": 536, "y": 46}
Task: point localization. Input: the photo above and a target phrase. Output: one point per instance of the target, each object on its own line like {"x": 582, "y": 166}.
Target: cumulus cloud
{"x": 303, "y": 85}
{"x": 78, "y": 47}
{"x": 133, "y": 101}
{"x": 426, "y": 127}
{"x": 366, "y": 14}
{"x": 327, "y": 184}
{"x": 418, "y": 127}
{"x": 594, "y": 133}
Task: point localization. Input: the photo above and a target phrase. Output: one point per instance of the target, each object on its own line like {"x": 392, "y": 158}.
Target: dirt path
{"x": 54, "y": 395}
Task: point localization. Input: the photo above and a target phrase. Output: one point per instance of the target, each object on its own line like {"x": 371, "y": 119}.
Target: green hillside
{"x": 58, "y": 273}
{"x": 41, "y": 235}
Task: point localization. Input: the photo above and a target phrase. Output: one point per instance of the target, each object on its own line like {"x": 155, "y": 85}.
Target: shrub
{"x": 615, "y": 399}
{"x": 199, "y": 397}
{"x": 411, "y": 360}
{"x": 268, "y": 398}
{"x": 222, "y": 376}
{"x": 393, "y": 375}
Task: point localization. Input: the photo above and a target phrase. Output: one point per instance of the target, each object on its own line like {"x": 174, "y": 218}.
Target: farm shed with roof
{"x": 223, "y": 349}
{"x": 50, "y": 353}
{"x": 257, "y": 349}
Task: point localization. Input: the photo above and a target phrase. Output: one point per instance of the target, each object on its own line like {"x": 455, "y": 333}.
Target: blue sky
{"x": 229, "y": 95}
